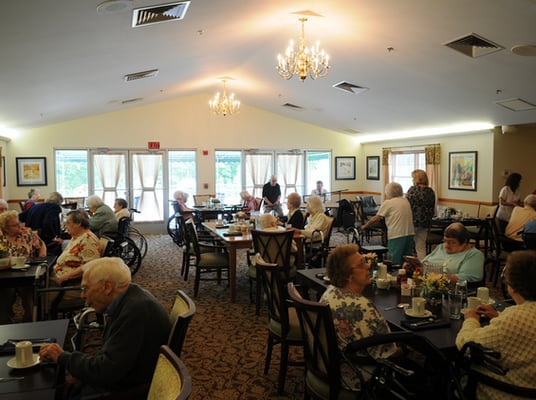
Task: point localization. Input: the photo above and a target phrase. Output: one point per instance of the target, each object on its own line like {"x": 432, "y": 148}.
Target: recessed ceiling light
{"x": 527, "y": 50}
{"x": 114, "y": 6}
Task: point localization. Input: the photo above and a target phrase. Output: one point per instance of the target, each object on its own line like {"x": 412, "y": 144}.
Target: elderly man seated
{"x": 137, "y": 326}
{"x": 102, "y": 216}
{"x": 520, "y": 216}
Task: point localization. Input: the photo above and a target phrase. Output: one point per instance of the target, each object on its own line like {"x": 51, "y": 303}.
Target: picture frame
{"x": 373, "y": 168}
{"x": 31, "y": 171}
{"x": 463, "y": 170}
{"x": 345, "y": 168}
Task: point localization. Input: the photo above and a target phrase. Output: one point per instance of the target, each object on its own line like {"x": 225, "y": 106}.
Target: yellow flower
{"x": 371, "y": 258}
{"x": 437, "y": 283}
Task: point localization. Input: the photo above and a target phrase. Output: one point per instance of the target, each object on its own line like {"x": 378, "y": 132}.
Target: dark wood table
{"x": 39, "y": 381}
{"x": 24, "y": 277}
{"x": 245, "y": 241}
{"x": 443, "y": 338}
{"x": 211, "y": 213}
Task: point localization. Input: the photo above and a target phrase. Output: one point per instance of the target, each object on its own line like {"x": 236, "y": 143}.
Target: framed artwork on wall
{"x": 373, "y": 168}
{"x": 31, "y": 171}
{"x": 462, "y": 170}
{"x": 345, "y": 168}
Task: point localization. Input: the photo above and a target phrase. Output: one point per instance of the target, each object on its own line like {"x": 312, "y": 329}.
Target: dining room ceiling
{"x": 395, "y": 65}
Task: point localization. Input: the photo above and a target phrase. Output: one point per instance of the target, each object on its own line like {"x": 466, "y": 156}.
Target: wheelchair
{"x": 122, "y": 246}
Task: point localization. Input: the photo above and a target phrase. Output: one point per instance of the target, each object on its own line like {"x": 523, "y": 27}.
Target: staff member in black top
{"x": 271, "y": 194}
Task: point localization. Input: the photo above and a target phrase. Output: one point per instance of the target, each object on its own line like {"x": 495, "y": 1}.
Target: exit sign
{"x": 153, "y": 145}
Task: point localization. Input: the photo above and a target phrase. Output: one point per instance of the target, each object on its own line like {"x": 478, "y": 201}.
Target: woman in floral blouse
{"x": 84, "y": 246}
{"x": 354, "y": 316}
{"x": 18, "y": 241}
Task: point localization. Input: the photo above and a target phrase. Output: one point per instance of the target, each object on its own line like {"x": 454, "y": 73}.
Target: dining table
{"x": 38, "y": 382}
{"x": 441, "y": 333}
{"x": 16, "y": 277}
{"x": 208, "y": 213}
{"x": 243, "y": 240}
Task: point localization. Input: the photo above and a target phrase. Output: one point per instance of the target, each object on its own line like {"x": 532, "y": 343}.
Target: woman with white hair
{"x": 317, "y": 219}
{"x": 396, "y": 211}
{"x": 181, "y": 198}
{"x": 102, "y": 216}
{"x": 250, "y": 202}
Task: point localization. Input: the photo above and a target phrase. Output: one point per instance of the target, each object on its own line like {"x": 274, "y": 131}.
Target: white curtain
{"x": 148, "y": 167}
{"x": 109, "y": 167}
{"x": 258, "y": 171}
{"x": 289, "y": 170}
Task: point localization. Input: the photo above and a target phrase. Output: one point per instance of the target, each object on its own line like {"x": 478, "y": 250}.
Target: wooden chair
{"x": 274, "y": 247}
{"x": 283, "y": 325}
{"x": 181, "y": 314}
{"x": 480, "y": 365}
{"x": 486, "y": 214}
{"x": 377, "y": 230}
{"x": 199, "y": 199}
{"x": 209, "y": 262}
{"x": 171, "y": 380}
{"x": 378, "y": 378}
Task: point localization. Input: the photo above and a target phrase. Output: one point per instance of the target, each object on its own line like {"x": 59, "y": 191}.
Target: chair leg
{"x": 197, "y": 279}
{"x": 258, "y": 298}
{"x": 269, "y": 348}
{"x": 282, "y": 368}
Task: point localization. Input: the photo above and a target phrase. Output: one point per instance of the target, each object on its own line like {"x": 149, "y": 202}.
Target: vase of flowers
{"x": 371, "y": 259}
{"x": 436, "y": 285}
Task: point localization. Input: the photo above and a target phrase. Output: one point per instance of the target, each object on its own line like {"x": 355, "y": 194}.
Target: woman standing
{"x": 19, "y": 241}
{"x": 422, "y": 200}
{"x": 509, "y": 197}
{"x": 399, "y": 220}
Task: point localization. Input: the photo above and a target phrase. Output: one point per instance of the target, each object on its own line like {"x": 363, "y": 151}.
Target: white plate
{"x": 12, "y": 363}
{"x": 23, "y": 267}
{"x": 409, "y": 313}
{"x": 326, "y": 278}
{"x": 490, "y": 301}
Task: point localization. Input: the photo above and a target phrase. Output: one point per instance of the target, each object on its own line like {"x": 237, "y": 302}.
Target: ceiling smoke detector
{"x": 114, "y": 6}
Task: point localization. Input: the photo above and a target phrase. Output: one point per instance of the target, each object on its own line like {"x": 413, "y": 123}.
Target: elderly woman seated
{"x": 317, "y": 219}
{"x": 182, "y": 198}
{"x": 294, "y": 217}
{"x": 459, "y": 258}
{"x": 250, "y": 202}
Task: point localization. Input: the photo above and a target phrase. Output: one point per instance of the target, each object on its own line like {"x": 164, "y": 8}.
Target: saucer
{"x": 490, "y": 301}
{"x": 409, "y": 313}
{"x": 326, "y": 278}
{"x": 22, "y": 267}
{"x": 12, "y": 363}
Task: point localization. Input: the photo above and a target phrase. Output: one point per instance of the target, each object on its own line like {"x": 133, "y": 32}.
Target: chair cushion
{"x": 213, "y": 260}
{"x": 295, "y": 329}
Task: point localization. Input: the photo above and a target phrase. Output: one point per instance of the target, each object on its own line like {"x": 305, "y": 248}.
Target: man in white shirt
{"x": 320, "y": 191}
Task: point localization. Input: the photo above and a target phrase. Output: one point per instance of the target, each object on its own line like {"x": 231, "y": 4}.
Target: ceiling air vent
{"x": 151, "y": 73}
{"x": 474, "y": 45}
{"x": 292, "y": 106}
{"x": 350, "y": 87}
{"x": 516, "y": 105}
{"x": 160, "y": 13}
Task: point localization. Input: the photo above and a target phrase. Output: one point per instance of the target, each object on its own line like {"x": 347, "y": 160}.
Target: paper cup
{"x": 24, "y": 353}
{"x": 473, "y": 302}
{"x": 19, "y": 261}
{"x": 382, "y": 270}
{"x": 483, "y": 294}
{"x": 417, "y": 304}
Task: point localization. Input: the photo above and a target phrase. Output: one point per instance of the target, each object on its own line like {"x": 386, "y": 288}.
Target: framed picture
{"x": 462, "y": 170}
{"x": 373, "y": 168}
{"x": 31, "y": 171}
{"x": 344, "y": 168}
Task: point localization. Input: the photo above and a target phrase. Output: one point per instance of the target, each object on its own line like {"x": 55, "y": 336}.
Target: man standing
{"x": 271, "y": 194}
{"x": 137, "y": 326}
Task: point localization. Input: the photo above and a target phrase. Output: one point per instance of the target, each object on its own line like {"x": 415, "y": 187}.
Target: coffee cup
{"x": 473, "y": 302}
{"x": 24, "y": 354}
{"x": 19, "y": 261}
{"x": 382, "y": 270}
{"x": 417, "y": 304}
{"x": 483, "y": 294}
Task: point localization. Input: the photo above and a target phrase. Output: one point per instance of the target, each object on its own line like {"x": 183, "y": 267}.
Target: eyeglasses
{"x": 451, "y": 242}
{"x": 13, "y": 225}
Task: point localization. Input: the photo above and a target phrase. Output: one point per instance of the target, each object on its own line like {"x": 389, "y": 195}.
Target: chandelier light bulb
{"x": 313, "y": 62}
{"x": 223, "y": 105}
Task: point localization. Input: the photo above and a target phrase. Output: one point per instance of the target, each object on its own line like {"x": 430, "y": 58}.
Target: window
{"x": 403, "y": 163}
{"x": 71, "y": 167}
{"x": 317, "y": 168}
{"x": 182, "y": 166}
{"x": 228, "y": 176}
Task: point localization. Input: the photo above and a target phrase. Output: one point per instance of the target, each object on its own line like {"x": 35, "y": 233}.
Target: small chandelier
{"x": 307, "y": 61}
{"x": 223, "y": 105}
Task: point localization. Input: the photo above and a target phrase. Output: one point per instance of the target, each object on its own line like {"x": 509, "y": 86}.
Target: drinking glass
{"x": 455, "y": 304}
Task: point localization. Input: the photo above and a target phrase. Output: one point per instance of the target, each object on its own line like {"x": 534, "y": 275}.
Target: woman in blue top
{"x": 459, "y": 259}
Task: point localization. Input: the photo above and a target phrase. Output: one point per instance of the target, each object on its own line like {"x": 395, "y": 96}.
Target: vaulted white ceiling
{"x": 61, "y": 59}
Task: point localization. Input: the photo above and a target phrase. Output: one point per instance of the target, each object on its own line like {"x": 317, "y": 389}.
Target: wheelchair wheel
{"x": 174, "y": 231}
{"x": 139, "y": 239}
{"x": 129, "y": 253}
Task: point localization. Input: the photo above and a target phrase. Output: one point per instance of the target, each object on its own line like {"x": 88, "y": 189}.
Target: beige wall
{"x": 186, "y": 123}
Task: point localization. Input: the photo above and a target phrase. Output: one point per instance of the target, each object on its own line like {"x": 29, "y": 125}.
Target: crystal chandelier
{"x": 223, "y": 105}
{"x": 307, "y": 61}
